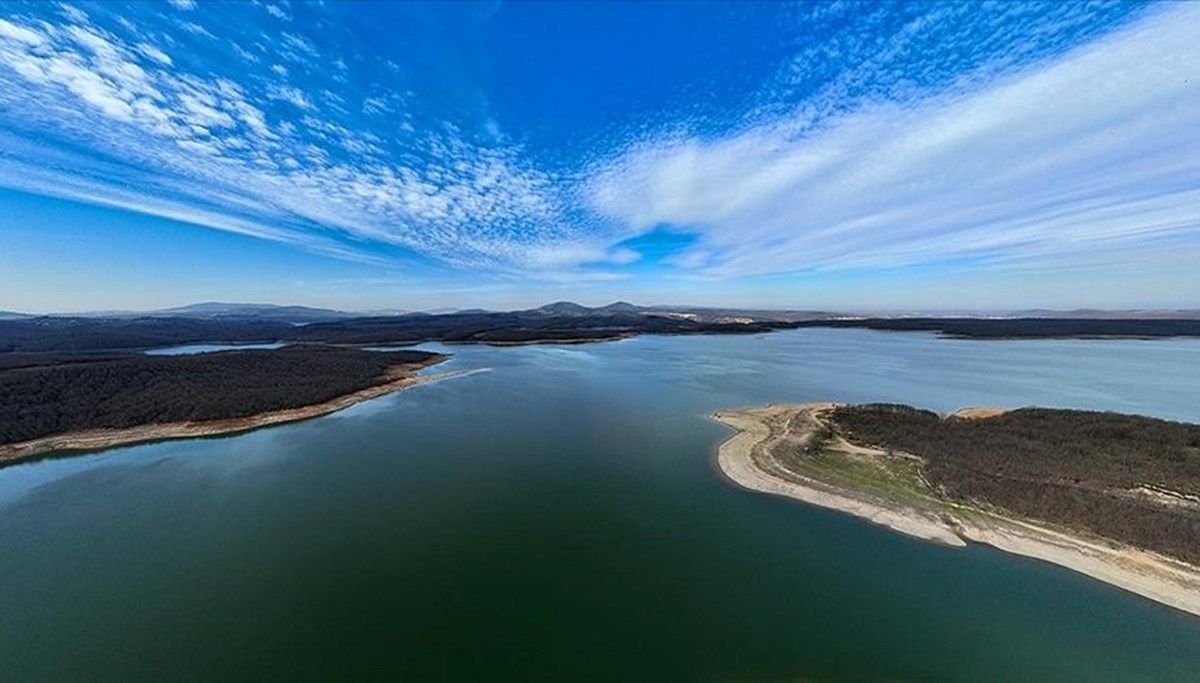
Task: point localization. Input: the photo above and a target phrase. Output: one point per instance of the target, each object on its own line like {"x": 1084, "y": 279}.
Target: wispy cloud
{"x": 911, "y": 135}
{"x": 218, "y": 150}
{"x": 1093, "y": 151}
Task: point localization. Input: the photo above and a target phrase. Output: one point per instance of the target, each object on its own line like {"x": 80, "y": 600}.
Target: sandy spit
{"x": 745, "y": 459}
{"x": 400, "y": 377}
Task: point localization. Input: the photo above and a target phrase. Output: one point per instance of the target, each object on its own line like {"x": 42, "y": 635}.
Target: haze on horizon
{"x": 502, "y": 155}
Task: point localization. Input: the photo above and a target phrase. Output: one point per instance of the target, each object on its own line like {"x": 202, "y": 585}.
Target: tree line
{"x": 77, "y": 392}
{"x": 1069, "y": 467}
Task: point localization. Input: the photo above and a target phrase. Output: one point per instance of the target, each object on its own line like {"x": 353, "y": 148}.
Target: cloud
{"x": 197, "y": 29}
{"x": 1094, "y": 151}
{"x": 243, "y": 53}
{"x": 292, "y": 95}
{"x": 376, "y": 105}
{"x": 154, "y": 53}
{"x": 853, "y": 156}
{"x": 99, "y": 119}
{"x": 295, "y": 45}
{"x": 20, "y": 34}
{"x": 73, "y": 13}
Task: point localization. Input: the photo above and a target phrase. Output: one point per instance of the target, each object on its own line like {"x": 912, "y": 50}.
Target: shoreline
{"x": 745, "y": 459}
{"x": 398, "y": 378}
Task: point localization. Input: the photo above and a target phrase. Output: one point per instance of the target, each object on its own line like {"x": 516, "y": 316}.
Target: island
{"x": 1115, "y": 497}
{"x": 70, "y": 402}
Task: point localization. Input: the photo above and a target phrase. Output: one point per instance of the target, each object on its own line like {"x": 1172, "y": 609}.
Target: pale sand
{"x": 401, "y": 377}
{"x": 978, "y": 412}
{"x": 745, "y": 459}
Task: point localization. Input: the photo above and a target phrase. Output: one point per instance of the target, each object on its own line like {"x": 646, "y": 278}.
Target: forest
{"x": 73, "y": 335}
{"x": 1024, "y": 328}
{"x": 1129, "y": 478}
{"x": 46, "y": 394}
{"x": 551, "y": 323}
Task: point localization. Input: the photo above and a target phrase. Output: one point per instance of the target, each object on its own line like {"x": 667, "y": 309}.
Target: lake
{"x": 189, "y": 349}
{"x": 560, "y": 518}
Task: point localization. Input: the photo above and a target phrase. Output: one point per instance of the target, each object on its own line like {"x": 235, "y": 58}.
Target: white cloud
{"x": 243, "y": 53}
{"x": 278, "y": 13}
{"x": 1012, "y": 172}
{"x": 154, "y": 53}
{"x": 193, "y": 27}
{"x": 208, "y": 142}
{"x": 1093, "y": 151}
{"x": 73, "y": 13}
{"x": 376, "y": 105}
{"x": 291, "y": 94}
{"x": 183, "y": 4}
{"x": 19, "y": 34}
{"x": 294, "y": 44}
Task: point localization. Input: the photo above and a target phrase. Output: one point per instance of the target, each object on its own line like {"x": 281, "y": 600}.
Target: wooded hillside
{"x": 58, "y": 393}
{"x": 1129, "y": 478}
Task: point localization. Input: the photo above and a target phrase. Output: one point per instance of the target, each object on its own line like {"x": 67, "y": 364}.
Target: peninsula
{"x": 1119, "y": 500}
{"x": 56, "y": 403}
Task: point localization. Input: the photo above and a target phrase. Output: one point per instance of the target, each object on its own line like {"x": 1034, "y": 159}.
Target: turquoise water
{"x": 559, "y": 518}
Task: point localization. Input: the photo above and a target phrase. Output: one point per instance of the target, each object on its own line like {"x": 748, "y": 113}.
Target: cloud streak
{"x": 261, "y": 156}
{"x": 1092, "y": 152}
{"x": 1007, "y": 147}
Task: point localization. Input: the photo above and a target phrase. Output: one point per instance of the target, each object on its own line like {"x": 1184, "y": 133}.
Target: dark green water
{"x": 559, "y": 518}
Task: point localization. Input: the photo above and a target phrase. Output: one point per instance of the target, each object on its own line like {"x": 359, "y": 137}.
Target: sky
{"x": 367, "y": 156}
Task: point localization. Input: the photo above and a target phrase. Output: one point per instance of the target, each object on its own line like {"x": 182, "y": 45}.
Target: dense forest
{"x": 551, "y": 323}
{"x": 1025, "y": 328}
{"x": 45, "y": 394}
{"x": 1076, "y": 468}
{"x": 512, "y": 327}
{"x": 73, "y": 335}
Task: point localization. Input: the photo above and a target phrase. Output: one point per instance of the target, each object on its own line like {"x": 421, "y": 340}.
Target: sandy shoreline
{"x": 399, "y": 378}
{"x": 745, "y": 458}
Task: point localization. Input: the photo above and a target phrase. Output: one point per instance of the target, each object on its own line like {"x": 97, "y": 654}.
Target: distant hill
{"x": 216, "y": 309}
{"x": 563, "y": 308}
{"x": 211, "y": 310}
{"x": 572, "y": 309}
{"x": 12, "y": 315}
{"x": 620, "y": 307}
{"x": 694, "y": 313}
{"x": 562, "y": 321}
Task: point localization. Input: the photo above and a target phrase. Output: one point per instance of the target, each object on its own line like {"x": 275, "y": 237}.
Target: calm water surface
{"x": 560, "y": 518}
{"x": 189, "y": 349}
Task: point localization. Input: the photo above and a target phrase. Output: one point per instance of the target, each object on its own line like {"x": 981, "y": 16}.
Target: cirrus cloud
{"x": 868, "y": 149}
{"x": 1094, "y": 151}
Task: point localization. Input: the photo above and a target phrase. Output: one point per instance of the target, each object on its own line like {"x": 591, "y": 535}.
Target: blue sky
{"x": 399, "y": 155}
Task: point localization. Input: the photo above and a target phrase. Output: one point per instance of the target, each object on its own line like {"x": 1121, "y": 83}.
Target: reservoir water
{"x": 560, "y": 518}
{"x": 188, "y": 349}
